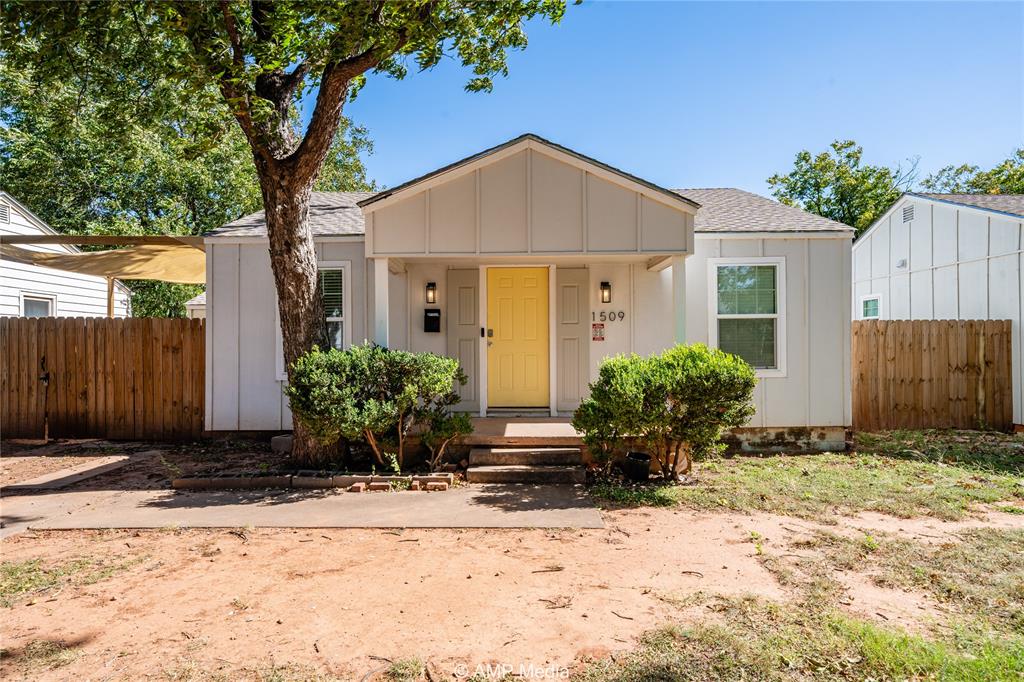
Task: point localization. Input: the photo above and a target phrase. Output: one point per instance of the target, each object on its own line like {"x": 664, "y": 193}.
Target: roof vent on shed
{"x": 5, "y": 213}
{"x": 908, "y": 213}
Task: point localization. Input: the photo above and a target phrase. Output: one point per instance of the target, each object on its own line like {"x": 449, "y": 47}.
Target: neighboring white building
{"x": 531, "y": 263}
{"x": 195, "y": 308}
{"x": 945, "y": 257}
{"x": 28, "y": 290}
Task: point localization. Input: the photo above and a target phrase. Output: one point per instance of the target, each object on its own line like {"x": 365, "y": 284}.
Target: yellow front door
{"x": 517, "y": 341}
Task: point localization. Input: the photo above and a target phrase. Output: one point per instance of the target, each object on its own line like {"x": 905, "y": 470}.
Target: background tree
{"x": 836, "y": 184}
{"x": 257, "y": 58}
{"x": 84, "y": 171}
{"x": 1005, "y": 178}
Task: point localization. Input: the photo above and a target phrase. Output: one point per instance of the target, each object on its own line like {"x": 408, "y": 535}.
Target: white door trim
{"x": 552, "y": 321}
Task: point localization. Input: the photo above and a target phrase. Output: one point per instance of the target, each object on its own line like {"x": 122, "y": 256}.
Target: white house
{"x": 945, "y": 257}
{"x": 28, "y": 290}
{"x": 195, "y": 308}
{"x": 530, "y": 263}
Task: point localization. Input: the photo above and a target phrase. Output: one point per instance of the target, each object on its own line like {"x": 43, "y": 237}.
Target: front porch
{"x": 523, "y": 432}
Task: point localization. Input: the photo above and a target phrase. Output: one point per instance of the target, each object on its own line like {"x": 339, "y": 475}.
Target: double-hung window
{"x": 747, "y": 309}
{"x": 334, "y": 289}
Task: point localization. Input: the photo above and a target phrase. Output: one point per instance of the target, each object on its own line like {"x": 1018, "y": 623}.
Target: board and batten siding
{"x": 532, "y": 201}
{"x": 948, "y": 262}
{"x": 244, "y": 391}
{"x": 815, "y": 390}
{"x": 75, "y": 295}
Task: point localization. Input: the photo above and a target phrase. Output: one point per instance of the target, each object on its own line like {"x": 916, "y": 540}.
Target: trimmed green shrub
{"x": 676, "y": 404}
{"x": 373, "y": 394}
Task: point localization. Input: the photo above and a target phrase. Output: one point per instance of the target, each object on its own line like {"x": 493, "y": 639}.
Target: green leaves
{"x": 835, "y": 184}
{"x": 684, "y": 396}
{"x": 370, "y": 393}
{"x": 1005, "y": 178}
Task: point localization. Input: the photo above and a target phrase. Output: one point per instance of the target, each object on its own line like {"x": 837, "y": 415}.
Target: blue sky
{"x": 724, "y": 94}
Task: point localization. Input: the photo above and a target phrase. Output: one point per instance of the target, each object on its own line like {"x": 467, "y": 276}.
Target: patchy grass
{"x": 190, "y": 670}
{"x": 19, "y": 579}
{"x": 406, "y": 670}
{"x": 760, "y": 640}
{"x": 987, "y": 451}
{"x": 982, "y": 574}
{"x": 652, "y": 495}
{"x": 935, "y": 473}
{"x": 41, "y": 654}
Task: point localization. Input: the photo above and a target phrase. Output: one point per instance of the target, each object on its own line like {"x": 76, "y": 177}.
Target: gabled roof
{"x": 527, "y": 137}
{"x": 726, "y": 209}
{"x": 1012, "y": 204}
{"x": 330, "y": 214}
{"x": 722, "y": 209}
{"x": 197, "y": 300}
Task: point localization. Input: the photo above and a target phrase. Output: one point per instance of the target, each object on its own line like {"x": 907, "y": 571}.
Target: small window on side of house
{"x": 870, "y": 308}
{"x": 332, "y": 285}
{"x": 36, "y": 306}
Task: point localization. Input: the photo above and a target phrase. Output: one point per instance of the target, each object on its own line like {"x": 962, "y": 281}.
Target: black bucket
{"x": 637, "y": 466}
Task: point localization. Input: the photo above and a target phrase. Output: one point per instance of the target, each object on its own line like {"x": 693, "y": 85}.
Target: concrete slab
{"x": 77, "y": 474}
{"x": 476, "y": 506}
{"x": 522, "y": 431}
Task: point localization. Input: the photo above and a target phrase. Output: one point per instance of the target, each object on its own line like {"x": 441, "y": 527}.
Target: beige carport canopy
{"x": 168, "y": 259}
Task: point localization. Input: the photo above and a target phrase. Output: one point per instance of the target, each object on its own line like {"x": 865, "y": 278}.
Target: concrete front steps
{"x": 526, "y": 465}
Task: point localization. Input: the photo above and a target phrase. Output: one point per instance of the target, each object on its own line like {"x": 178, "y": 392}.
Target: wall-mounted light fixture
{"x": 431, "y": 292}
{"x": 606, "y": 292}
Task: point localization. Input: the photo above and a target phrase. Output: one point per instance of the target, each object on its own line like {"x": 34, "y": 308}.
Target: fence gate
{"x": 915, "y": 374}
{"x": 137, "y": 378}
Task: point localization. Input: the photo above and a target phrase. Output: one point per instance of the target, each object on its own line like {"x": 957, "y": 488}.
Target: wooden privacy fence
{"x": 918, "y": 374}
{"x": 137, "y": 378}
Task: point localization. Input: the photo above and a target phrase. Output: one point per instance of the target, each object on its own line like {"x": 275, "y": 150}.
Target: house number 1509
{"x": 612, "y": 316}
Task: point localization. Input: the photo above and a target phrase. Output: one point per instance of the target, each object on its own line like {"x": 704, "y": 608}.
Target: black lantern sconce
{"x": 606, "y": 292}
{"x": 431, "y": 292}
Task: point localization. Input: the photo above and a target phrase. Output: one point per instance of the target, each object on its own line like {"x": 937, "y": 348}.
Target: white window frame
{"x": 346, "y": 311}
{"x": 860, "y": 307}
{"x": 51, "y": 298}
{"x": 780, "y": 307}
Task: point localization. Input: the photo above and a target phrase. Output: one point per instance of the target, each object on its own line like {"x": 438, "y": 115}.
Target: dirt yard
{"x": 22, "y": 461}
{"x": 230, "y": 604}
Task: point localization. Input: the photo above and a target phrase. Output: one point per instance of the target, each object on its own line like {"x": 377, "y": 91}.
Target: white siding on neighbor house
{"x": 533, "y": 201}
{"x": 961, "y": 263}
{"x": 75, "y": 295}
{"x": 244, "y": 391}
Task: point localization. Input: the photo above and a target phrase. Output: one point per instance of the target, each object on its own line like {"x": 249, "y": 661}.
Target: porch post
{"x": 380, "y": 301}
{"x": 679, "y": 298}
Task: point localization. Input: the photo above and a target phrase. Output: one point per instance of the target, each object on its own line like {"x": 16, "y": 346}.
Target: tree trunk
{"x": 293, "y": 261}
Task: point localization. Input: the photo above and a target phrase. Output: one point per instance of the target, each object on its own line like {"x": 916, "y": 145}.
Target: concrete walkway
{"x": 475, "y": 506}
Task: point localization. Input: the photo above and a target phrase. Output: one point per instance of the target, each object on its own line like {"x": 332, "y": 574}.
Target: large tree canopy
{"x": 837, "y": 184}
{"x": 174, "y": 171}
{"x": 256, "y": 59}
{"x": 1006, "y": 177}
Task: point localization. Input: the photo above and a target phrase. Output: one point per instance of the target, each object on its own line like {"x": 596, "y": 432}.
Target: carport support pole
{"x": 679, "y": 298}
{"x": 110, "y": 297}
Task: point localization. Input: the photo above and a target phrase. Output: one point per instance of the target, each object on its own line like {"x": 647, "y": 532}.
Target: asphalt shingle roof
{"x": 1004, "y": 203}
{"x": 722, "y": 209}
{"x": 330, "y": 213}
{"x": 726, "y": 209}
